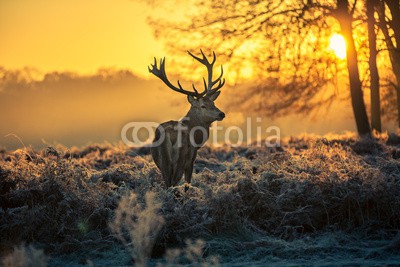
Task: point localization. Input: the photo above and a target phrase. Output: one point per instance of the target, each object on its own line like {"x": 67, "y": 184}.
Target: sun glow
{"x": 337, "y": 43}
{"x": 246, "y": 72}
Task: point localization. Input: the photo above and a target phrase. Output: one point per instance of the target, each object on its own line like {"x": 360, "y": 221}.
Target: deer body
{"x": 176, "y": 143}
{"x": 173, "y": 159}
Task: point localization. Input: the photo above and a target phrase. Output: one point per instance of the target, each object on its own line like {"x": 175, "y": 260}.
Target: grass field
{"x": 332, "y": 200}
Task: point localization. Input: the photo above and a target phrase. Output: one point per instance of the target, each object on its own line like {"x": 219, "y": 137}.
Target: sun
{"x": 246, "y": 72}
{"x": 337, "y": 43}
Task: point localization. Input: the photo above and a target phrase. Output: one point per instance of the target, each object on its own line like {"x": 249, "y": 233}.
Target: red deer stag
{"x": 176, "y": 142}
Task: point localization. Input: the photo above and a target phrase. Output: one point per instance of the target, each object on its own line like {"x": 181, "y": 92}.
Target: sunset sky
{"x": 83, "y": 36}
{"x": 74, "y": 35}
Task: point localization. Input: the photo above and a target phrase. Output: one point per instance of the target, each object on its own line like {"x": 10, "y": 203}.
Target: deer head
{"x": 202, "y": 104}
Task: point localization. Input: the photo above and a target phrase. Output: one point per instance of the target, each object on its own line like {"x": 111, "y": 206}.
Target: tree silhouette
{"x": 373, "y": 69}
{"x": 345, "y": 18}
{"x": 389, "y": 24}
{"x": 286, "y": 42}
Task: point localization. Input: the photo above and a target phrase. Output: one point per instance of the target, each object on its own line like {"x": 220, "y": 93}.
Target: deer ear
{"x": 214, "y": 96}
{"x": 191, "y": 99}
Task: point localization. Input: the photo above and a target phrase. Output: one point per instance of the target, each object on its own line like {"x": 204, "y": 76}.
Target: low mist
{"x": 72, "y": 109}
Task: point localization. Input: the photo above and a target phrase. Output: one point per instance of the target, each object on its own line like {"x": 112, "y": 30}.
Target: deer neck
{"x": 193, "y": 120}
{"x": 198, "y": 128}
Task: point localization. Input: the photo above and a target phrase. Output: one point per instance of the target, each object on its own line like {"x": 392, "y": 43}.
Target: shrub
{"x": 25, "y": 256}
{"x": 136, "y": 226}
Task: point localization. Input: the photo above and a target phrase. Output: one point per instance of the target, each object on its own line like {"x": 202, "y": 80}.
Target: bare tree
{"x": 373, "y": 69}
{"x": 389, "y": 24}
{"x": 285, "y": 40}
{"x": 345, "y": 17}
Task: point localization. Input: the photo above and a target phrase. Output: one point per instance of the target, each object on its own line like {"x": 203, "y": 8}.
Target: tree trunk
{"x": 393, "y": 47}
{"x": 397, "y": 88}
{"x": 394, "y": 7}
{"x": 373, "y": 69}
{"x": 357, "y": 100}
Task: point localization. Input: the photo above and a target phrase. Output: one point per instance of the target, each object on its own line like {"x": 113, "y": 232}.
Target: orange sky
{"x": 76, "y": 35}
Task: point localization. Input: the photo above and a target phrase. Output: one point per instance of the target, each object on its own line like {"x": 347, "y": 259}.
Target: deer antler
{"x": 160, "y": 73}
{"x": 209, "y": 90}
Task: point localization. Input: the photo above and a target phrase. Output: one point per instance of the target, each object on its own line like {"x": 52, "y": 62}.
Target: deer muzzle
{"x": 221, "y": 116}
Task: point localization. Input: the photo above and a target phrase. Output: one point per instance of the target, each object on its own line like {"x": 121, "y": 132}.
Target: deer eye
{"x": 203, "y": 106}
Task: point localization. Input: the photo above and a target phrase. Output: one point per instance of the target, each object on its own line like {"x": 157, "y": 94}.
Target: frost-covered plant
{"x": 311, "y": 184}
{"x": 25, "y": 256}
{"x": 136, "y": 226}
{"x": 192, "y": 253}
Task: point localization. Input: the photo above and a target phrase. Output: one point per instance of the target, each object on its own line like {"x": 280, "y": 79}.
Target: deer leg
{"x": 164, "y": 166}
{"x": 188, "y": 173}
{"x": 178, "y": 167}
{"x": 189, "y": 168}
{"x": 167, "y": 172}
{"x": 166, "y": 162}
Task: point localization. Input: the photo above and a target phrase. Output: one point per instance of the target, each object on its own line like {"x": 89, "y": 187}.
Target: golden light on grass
{"x": 337, "y": 44}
